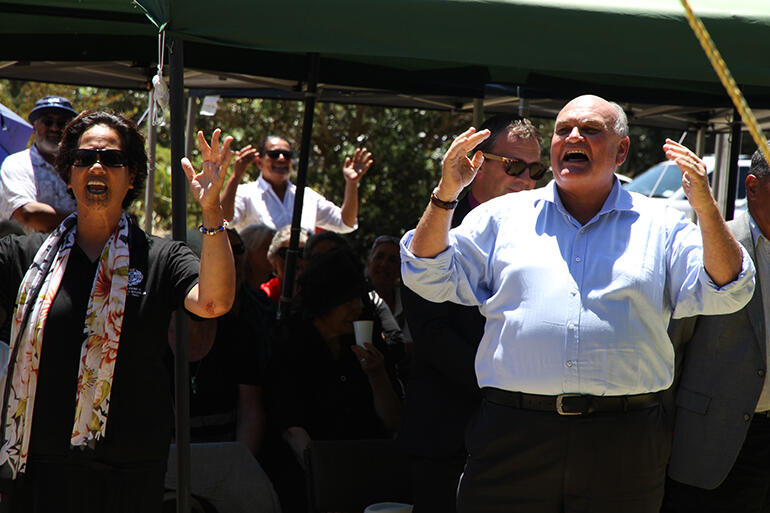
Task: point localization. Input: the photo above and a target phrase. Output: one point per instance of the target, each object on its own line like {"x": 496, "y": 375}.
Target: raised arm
{"x": 214, "y": 293}
{"x": 353, "y": 170}
{"x": 722, "y": 256}
{"x": 243, "y": 158}
{"x": 457, "y": 171}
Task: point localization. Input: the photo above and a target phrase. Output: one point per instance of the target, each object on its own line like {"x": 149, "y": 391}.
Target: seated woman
{"x": 393, "y": 342}
{"x": 324, "y": 386}
{"x": 88, "y": 333}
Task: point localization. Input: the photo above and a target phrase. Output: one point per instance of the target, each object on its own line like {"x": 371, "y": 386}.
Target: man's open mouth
{"x": 575, "y": 156}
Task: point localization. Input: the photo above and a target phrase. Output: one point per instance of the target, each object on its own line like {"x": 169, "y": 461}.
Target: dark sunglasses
{"x": 107, "y": 158}
{"x": 59, "y": 122}
{"x": 515, "y": 167}
{"x": 282, "y": 252}
{"x": 276, "y": 154}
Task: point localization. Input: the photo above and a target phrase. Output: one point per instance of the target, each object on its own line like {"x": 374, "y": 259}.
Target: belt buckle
{"x": 560, "y": 405}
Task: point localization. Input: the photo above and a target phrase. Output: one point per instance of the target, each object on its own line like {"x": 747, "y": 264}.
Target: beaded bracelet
{"x": 213, "y": 231}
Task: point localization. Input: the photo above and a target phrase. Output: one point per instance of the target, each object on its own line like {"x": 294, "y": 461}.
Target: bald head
{"x": 614, "y": 113}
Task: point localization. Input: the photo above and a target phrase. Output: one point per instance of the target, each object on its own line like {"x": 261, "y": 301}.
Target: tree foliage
{"x": 407, "y": 146}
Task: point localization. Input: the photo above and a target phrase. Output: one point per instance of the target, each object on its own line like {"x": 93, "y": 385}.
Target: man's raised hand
{"x": 457, "y": 170}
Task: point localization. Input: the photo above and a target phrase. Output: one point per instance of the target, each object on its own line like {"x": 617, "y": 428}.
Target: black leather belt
{"x": 571, "y": 404}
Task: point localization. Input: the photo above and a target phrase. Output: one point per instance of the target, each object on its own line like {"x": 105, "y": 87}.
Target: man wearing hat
{"x": 31, "y": 191}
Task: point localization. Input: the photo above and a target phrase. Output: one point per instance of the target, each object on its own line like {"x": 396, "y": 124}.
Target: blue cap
{"x": 51, "y": 103}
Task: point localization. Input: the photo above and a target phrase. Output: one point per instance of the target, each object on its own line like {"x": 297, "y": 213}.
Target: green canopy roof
{"x": 637, "y": 50}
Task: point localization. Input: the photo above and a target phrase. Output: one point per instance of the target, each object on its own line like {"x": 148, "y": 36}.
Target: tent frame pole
{"x": 287, "y": 290}
{"x": 179, "y": 229}
{"x": 149, "y": 190}
{"x": 735, "y": 155}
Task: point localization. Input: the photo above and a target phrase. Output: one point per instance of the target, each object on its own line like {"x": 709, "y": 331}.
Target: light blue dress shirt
{"x": 571, "y": 308}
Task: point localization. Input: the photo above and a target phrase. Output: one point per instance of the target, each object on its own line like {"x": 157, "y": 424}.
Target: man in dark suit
{"x": 443, "y": 393}
{"x": 720, "y": 460}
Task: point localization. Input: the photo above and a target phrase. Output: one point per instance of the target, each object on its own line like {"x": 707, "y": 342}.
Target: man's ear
{"x": 752, "y": 184}
{"x": 623, "y": 146}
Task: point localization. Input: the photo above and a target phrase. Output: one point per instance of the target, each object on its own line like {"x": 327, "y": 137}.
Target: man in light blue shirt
{"x": 577, "y": 282}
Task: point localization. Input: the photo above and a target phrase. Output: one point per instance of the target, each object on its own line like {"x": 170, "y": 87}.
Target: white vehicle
{"x": 664, "y": 181}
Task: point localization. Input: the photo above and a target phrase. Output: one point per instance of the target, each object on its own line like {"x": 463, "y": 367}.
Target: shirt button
{"x": 761, "y": 372}
{"x": 746, "y": 417}
{"x": 577, "y": 259}
{"x": 569, "y": 363}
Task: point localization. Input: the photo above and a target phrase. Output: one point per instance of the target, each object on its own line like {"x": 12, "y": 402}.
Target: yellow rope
{"x": 727, "y": 79}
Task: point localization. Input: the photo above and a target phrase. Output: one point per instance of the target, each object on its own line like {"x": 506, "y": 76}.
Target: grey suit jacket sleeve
{"x": 722, "y": 373}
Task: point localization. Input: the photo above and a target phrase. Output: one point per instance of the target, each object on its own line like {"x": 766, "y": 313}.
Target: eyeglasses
{"x": 107, "y": 158}
{"x": 515, "y": 167}
{"x": 283, "y": 251}
{"x": 48, "y": 121}
{"x": 276, "y": 154}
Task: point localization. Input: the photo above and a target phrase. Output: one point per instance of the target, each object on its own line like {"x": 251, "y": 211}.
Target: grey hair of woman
{"x": 282, "y": 237}
{"x": 254, "y": 235}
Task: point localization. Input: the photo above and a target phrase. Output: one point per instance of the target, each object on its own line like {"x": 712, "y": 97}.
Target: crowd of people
{"x": 542, "y": 349}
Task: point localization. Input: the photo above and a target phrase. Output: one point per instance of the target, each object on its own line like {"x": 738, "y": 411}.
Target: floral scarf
{"x": 104, "y": 321}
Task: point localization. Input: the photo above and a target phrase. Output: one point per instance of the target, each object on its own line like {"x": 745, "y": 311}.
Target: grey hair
{"x": 621, "y": 120}
{"x": 759, "y": 165}
{"x": 281, "y": 239}
{"x": 255, "y": 235}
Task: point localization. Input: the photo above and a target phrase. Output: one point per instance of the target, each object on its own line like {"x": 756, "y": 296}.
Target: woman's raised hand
{"x": 205, "y": 186}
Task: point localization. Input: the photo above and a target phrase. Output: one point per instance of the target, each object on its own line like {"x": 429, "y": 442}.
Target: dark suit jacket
{"x": 443, "y": 391}
{"x": 723, "y": 371}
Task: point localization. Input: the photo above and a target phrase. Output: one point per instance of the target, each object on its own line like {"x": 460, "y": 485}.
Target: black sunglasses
{"x": 515, "y": 167}
{"x": 59, "y": 122}
{"x": 107, "y": 158}
{"x": 275, "y": 154}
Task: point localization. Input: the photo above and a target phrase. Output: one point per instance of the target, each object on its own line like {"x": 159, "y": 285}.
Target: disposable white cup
{"x": 363, "y": 331}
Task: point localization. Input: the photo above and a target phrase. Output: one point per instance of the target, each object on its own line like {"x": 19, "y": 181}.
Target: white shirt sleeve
{"x": 17, "y": 183}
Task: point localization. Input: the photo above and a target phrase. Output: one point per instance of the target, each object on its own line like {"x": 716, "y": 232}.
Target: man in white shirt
{"x": 31, "y": 191}
{"x": 270, "y": 199}
{"x": 577, "y": 282}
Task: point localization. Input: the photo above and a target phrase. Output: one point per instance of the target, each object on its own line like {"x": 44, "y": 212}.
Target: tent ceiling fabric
{"x": 635, "y": 38}
{"x": 419, "y": 53}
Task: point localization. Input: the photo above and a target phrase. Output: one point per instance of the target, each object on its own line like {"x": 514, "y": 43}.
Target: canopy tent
{"x": 443, "y": 53}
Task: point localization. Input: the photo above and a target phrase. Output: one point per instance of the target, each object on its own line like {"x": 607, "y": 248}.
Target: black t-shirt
{"x": 140, "y": 416}
{"x": 331, "y": 398}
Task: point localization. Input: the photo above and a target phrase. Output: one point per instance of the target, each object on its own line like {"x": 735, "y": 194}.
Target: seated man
{"x": 270, "y": 199}
{"x": 31, "y": 191}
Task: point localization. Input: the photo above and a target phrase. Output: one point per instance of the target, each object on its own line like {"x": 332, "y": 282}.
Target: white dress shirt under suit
{"x": 571, "y": 308}
{"x": 256, "y": 202}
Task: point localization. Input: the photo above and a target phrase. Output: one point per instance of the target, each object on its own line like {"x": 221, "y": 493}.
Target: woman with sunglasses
{"x": 86, "y": 413}
{"x": 270, "y": 199}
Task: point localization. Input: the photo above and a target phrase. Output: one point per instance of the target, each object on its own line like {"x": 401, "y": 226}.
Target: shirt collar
{"x": 265, "y": 185}
{"x": 756, "y": 233}
{"x": 37, "y": 159}
{"x": 617, "y": 199}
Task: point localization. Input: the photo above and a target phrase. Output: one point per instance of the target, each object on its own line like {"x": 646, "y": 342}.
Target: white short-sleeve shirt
{"x": 27, "y": 177}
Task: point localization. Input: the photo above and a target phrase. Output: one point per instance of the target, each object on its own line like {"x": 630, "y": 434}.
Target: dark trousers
{"x": 54, "y": 487}
{"x": 746, "y": 489}
{"x": 523, "y": 461}
{"x": 434, "y": 483}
